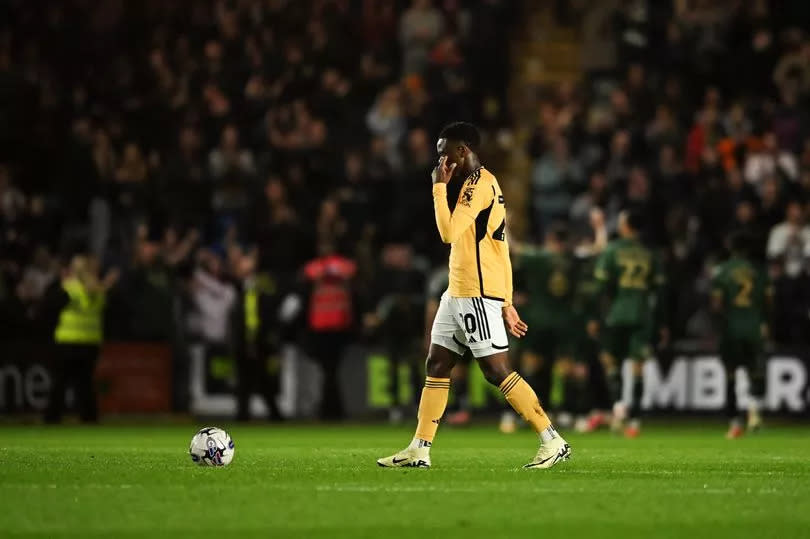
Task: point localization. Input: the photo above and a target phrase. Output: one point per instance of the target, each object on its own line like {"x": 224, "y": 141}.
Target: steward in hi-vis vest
{"x": 79, "y": 298}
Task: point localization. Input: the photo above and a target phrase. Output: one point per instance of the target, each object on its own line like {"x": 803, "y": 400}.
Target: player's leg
{"x": 610, "y": 363}
{"x": 522, "y": 398}
{"x": 492, "y": 356}
{"x": 581, "y": 400}
{"x": 730, "y": 354}
{"x": 438, "y": 366}
{"x": 529, "y": 350}
{"x": 447, "y": 344}
{"x": 564, "y": 375}
{"x": 597, "y": 389}
{"x": 633, "y": 424}
{"x": 639, "y": 352}
{"x": 460, "y": 414}
{"x": 756, "y": 361}
{"x": 614, "y": 351}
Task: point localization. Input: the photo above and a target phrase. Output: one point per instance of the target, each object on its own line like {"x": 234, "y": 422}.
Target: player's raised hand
{"x": 442, "y": 173}
{"x": 514, "y": 324}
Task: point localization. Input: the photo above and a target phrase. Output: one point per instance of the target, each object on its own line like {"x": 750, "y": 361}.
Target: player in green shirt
{"x": 544, "y": 281}
{"x": 741, "y": 298}
{"x": 629, "y": 278}
{"x": 587, "y": 378}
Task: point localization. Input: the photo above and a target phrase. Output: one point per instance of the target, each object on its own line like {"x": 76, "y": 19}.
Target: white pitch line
{"x": 549, "y": 490}
{"x": 681, "y": 472}
{"x": 441, "y": 489}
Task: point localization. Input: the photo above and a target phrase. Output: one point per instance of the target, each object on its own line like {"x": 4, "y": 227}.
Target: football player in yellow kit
{"x": 476, "y": 311}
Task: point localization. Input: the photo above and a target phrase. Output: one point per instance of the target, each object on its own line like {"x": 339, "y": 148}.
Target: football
{"x": 211, "y": 446}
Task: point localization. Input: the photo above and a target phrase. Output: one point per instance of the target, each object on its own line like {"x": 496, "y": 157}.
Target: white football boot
{"x": 410, "y": 457}
{"x": 550, "y": 453}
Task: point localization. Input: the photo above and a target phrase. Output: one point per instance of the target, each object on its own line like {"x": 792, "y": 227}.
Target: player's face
{"x": 454, "y": 151}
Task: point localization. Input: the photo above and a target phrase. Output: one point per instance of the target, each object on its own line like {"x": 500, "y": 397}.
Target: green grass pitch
{"x": 322, "y": 481}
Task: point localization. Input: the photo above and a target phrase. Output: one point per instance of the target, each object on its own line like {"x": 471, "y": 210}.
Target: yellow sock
{"x": 523, "y": 399}
{"x": 431, "y": 407}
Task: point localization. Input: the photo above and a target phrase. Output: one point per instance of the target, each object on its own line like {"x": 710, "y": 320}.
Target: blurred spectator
{"x": 38, "y": 275}
{"x": 73, "y": 311}
{"x": 789, "y": 241}
{"x": 379, "y": 21}
{"x": 771, "y": 205}
{"x": 770, "y": 160}
{"x": 12, "y": 201}
{"x": 598, "y": 41}
{"x": 386, "y": 120}
{"x": 229, "y": 157}
{"x": 213, "y": 298}
{"x": 419, "y": 28}
{"x": 330, "y": 320}
{"x": 594, "y": 197}
{"x": 133, "y": 167}
{"x": 257, "y": 334}
{"x": 554, "y": 178}
{"x": 448, "y": 80}
{"x": 104, "y": 155}
{"x": 794, "y": 66}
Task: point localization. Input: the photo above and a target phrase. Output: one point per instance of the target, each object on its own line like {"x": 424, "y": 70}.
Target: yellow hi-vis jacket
{"x": 81, "y": 320}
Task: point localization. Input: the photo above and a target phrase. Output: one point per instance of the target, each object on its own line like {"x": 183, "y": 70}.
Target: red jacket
{"x": 330, "y": 304}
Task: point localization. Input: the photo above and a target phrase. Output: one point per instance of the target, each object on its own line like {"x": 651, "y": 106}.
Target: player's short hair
{"x": 463, "y": 132}
{"x": 634, "y": 219}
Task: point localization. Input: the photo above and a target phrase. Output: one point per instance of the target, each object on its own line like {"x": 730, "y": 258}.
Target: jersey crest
{"x": 467, "y": 195}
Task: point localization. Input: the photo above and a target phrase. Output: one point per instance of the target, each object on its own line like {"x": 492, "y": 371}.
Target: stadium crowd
{"x": 196, "y": 147}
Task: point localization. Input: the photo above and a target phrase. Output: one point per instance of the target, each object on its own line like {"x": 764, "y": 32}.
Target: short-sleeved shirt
{"x": 549, "y": 280}
{"x": 630, "y": 275}
{"x": 743, "y": 288}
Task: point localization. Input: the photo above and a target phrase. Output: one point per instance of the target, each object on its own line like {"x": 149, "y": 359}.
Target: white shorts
{"x": 470, "y": 323}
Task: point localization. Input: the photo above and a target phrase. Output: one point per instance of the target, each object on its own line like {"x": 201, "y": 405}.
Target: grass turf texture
{"x": 322, "y": 481}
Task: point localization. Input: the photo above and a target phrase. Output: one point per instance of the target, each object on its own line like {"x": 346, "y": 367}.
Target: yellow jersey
{"x": 479, "y": 253}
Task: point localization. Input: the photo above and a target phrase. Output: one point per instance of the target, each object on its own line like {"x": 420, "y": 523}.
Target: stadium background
{"x": 182, "y": 143}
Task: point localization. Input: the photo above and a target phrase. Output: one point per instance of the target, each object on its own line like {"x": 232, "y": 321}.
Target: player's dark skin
{"x": 456, "y": 162}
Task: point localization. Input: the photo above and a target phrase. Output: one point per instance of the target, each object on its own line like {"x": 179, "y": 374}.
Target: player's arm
{"x": 600, "y": 235}
{"x": 603, "y": 275}
{"x": 452, "y": 225}
{"x": 511, "y": 318}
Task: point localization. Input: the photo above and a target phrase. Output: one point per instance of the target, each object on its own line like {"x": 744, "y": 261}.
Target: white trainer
{"x": 550, "y": 453}
{"x": 407, "y": 458}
